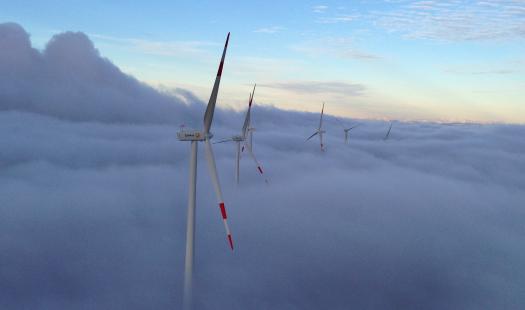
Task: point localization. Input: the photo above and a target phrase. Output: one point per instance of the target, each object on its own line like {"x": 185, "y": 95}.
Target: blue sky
{"x": 409, "y": 60}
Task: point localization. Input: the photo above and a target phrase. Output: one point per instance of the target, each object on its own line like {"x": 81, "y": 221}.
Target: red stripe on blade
{"x": 260, "y": 169}
{"x": 231, "y": 241}
{"x": 219, "y": 73}
{"x": 223, "y": 210}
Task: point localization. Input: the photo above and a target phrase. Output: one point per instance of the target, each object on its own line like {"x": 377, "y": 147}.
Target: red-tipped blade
{"x": 321, "y": 120}
{"x": 259, "y": 167}
{"x": 224, "y": 218}
{"x": 219, "y": 72}
{"x": 246, "y": 124}
{"x": 208, "y": 115}
{"x": 251, "y": 97}
{"x": 216, "y": 185}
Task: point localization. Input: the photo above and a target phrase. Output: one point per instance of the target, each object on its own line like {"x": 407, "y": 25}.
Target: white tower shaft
{"x": 190, "y": 228}
{"x": 238, "y": 160}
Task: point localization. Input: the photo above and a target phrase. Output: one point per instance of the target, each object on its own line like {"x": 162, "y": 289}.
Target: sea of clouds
{"x": 93, "y": 193}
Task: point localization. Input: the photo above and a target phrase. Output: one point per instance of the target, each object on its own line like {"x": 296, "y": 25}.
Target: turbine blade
{"x": 248, "y": 114}
{"x": 222, "y": 141}
{"x": 253, "y": 93}
{"x": 340, "y": 122}
{"x": 321, "y": 120}
{"x": 250, "y": 140}
{"x": 321, "y": 141}
{"x": 388, "y": 133}
{"x": 208, "y": 116}
{"x": 259, "y": 167}
{"x": 312, "y": 135}
{"x": 217, "y": 186}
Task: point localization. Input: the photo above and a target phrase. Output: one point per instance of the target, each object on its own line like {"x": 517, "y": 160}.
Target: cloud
{"x": 340, "y": 18}
{"x": 483, "y": 72}
{"x": 454, "y": 21}
{"x": 70, "y": 80}
{"x": 159, "y": 48}
{"x": 319, "y": 8}
{"x": 340, "y": 47}
{"x": 316, "y": 87}
{"x": 93, "y": 207}
{"x": 269, "y": 30}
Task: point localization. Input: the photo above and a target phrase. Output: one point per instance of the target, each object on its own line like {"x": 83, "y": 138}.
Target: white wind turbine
{"x": 319, "y": 130}
{"x": 346, "y": 130}
{"x": 196, "y": 136}
{"x": 246, "y": 137}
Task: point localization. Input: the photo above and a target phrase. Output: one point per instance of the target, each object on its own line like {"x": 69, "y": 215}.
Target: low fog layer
{"x": 93, "y": 187}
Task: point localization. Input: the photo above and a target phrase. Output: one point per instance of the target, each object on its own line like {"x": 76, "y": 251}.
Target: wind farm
{"x": 359, "y": 155}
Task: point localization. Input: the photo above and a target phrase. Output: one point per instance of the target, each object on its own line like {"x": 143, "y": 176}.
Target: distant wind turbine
{"x": 201, "y": 136}
{"x": 346, "y": 130}
{"x": 388, "y": 132}
{"x": 246, "y": 137}
{"x": 319, "y": 130}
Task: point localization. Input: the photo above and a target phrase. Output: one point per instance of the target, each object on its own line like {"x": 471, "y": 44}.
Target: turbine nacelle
{"x": 193, "y": 135}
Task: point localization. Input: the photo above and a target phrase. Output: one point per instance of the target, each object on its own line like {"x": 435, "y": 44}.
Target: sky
{"x": 402, "y": 60}
{"x": 93, "y": 196}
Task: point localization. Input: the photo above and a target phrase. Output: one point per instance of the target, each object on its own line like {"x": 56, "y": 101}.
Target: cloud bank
{"x": 70, "y": 80}
{"x": 93, "y": 201}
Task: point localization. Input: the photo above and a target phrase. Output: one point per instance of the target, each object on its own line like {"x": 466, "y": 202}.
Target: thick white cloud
{"x": 93, "y": 201}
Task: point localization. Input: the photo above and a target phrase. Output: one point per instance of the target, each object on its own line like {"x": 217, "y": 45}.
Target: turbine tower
{"x": 346, "y": 130}
{"x": 319, "y": 130}
{"x": 196, "y": 136}
{"x": 246, "y": 138}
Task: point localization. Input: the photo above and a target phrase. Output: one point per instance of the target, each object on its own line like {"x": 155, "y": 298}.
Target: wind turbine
{"x": 319, "y": 130}
{"x": 246, "y": 137}
{"x": 388, "y": 132}
{"x": 196, "y": 136}
{"x": 346, "y": 130}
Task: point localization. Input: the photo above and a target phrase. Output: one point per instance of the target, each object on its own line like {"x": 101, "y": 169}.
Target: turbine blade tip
{"x": 230, "y": 240}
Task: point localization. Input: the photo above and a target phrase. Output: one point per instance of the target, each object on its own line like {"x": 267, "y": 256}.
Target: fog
{"x": 93, "y": 194}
